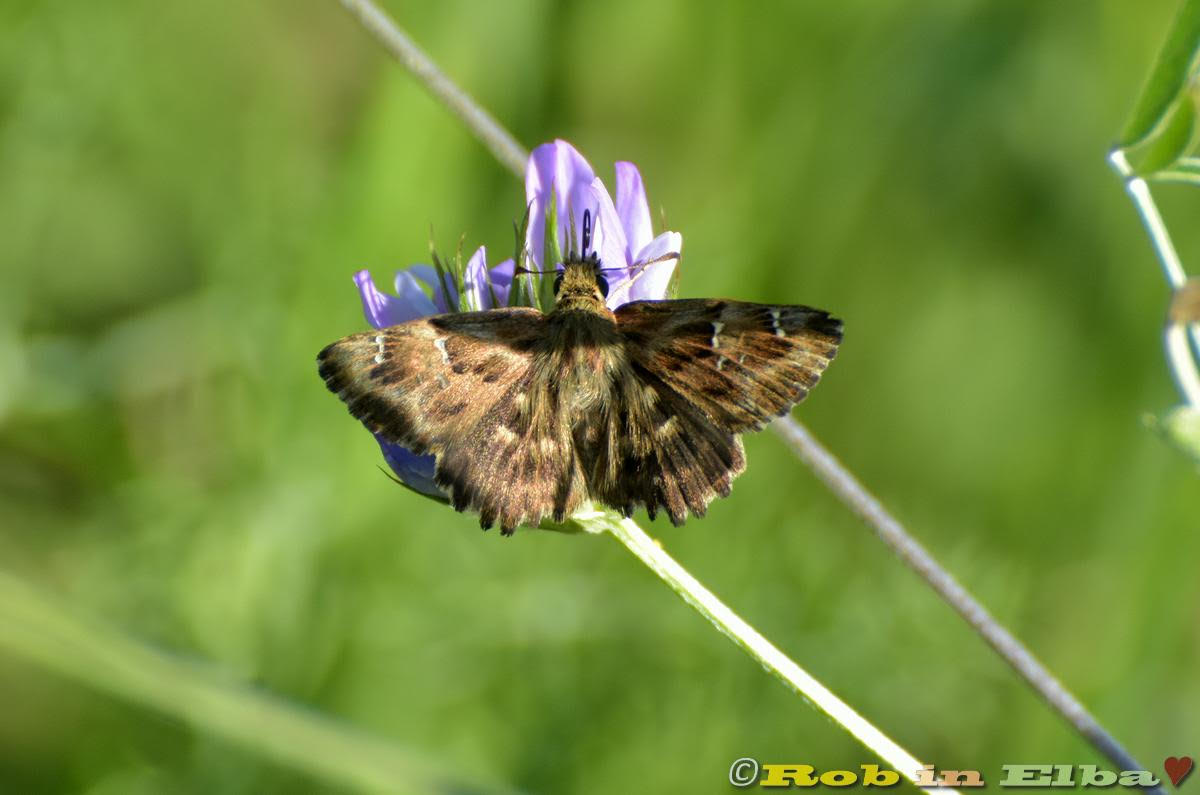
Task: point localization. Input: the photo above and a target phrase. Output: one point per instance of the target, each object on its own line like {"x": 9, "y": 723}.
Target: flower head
{"x": 560, "y": 186}
{"x": 622, "y": 237}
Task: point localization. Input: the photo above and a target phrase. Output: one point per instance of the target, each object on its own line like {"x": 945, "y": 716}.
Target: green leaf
{"x": 438, "y": 266}
{"x": 487, "y": 277}
{"x": 572, "y": 232}
{"x": 1175, "y": 65}
{"x": 460, "y": 275}
{"x": 551, "y": 254}
{"x": 1184, "y": 170}
{"x": 520, "y": 255}
{"x": 1171, "y": 142}
{"x": 551, "y": 249}
{"x": 673, "y": 283}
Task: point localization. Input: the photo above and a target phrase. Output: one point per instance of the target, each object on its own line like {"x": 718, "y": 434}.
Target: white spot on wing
{"x": 775, "y": 323}
{"x": 440, "y": 344}
{"x": 717, "y": 326}
{"x": 668, "y": 428}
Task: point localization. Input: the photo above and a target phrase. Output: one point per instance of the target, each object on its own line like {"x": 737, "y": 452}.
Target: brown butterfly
{"x": 532, "y": 414}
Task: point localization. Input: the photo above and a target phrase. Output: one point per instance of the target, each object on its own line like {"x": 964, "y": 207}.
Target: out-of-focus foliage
{"x": 186, "y": 189}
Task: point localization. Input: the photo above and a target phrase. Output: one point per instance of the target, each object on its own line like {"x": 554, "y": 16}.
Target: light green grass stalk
{"x": 37, "y": 628}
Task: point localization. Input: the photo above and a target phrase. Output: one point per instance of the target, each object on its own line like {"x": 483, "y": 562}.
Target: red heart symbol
{"x": 1177, "y": 768}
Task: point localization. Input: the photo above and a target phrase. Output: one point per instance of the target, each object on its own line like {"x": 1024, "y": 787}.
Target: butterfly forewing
{"x": 742, "y": 364}
{"x": 459, "y": 386}
{"x": 418, "y": 384}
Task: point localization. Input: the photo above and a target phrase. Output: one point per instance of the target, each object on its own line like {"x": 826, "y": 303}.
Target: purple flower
{"x": 623, "y": 239}
{"x": 412, "y": 301}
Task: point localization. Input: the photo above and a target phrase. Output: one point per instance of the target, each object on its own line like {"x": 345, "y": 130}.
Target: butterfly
{"x": 532, "y": 415}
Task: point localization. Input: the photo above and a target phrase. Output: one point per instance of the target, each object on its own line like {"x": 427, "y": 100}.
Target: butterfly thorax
{"x": 583, "y": 347}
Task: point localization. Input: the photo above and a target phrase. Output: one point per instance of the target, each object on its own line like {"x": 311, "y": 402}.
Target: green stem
{"x": 891, "y": 532}
{"x": 497, "y": 139}
{"x": 751, "y": 641}
{"x": 1179, "y": 355}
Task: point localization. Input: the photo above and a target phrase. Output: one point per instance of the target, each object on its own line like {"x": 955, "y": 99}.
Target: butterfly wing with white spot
{"x": 462, "y": 387}
{"x": 741, "y": 364}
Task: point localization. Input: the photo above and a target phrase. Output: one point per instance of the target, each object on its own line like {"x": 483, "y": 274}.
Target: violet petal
{"x": 649, "y": 282}
{"x": 608, "y": 237}
{"x": 475, "y": 281}
{"x": 429, "y": 275}
{"x": 383, "y": 310}
{"x": 415, "y": 470}
{"x": 557, "y": 168}
{"x": 633, "y": 208}
{"x": 502, "y": 278}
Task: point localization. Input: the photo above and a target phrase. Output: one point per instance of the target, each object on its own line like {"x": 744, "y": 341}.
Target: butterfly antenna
{"x": 391, "y": 477}
{"x": 521, "y": 269}
{"x": 587, "y": 232}
{"x": 399, "y": 482}
{"x": 639, "y": 270}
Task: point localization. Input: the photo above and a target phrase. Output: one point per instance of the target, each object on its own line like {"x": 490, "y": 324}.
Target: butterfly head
{"x": 581, "y": 283}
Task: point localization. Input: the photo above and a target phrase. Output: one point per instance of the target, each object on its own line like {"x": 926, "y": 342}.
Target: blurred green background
{"x": 186, "y": 189}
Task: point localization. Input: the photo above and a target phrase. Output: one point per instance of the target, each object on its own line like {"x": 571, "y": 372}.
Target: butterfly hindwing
{"x": 660, "y": 452}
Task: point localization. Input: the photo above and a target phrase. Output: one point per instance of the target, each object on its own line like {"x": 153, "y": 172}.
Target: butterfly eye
{"x": 558, "y": 283}
{"x": 602, "y": 283}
